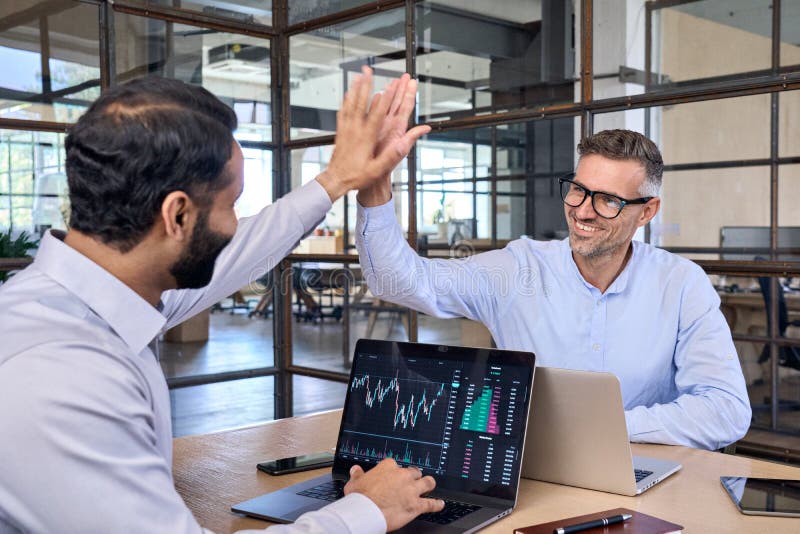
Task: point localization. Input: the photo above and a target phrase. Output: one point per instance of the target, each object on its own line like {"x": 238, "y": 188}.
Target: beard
{"x": 195, "y": 267}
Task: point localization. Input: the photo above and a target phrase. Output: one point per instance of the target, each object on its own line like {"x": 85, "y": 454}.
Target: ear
{"x": 649, "y": 211}
{"x": 176, "y": 211}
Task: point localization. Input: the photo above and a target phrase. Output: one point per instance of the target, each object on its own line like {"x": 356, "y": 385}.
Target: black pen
{"x": 592, "y": 524}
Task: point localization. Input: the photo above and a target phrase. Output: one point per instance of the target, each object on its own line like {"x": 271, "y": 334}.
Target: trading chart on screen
{"x": 448, "y": 417}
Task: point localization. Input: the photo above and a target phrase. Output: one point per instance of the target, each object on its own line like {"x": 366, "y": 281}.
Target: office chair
{"x": 787, "y": 356}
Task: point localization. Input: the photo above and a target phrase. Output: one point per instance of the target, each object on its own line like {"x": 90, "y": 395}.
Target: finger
{"x": 364, "y": 90}
{"x": 377, "y": 112}
{"x": 391, "y": 155}
{"x": 356, "y": 472}
{"x": 408, "y": 100}
{"x": 404, "y": 144}
{"x": 425, "y": 485}
{"x": 349, "y": 100}
{"x": 415, "y": 472}
{"x": 428, "y": 506}
{"x": 402, "y": 88}
{"x": 391, "y": 90}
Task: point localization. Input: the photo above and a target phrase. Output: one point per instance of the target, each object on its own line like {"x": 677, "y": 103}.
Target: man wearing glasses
{"x": 597, "y": 301}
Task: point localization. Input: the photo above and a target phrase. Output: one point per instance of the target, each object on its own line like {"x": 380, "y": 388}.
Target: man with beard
{"x": 596, "y": 301}
{"x": 154, "y": 173}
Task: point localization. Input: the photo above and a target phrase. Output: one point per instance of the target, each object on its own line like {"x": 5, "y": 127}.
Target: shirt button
{"x": 599, "y": 302}
{"x": 596, "y": 347}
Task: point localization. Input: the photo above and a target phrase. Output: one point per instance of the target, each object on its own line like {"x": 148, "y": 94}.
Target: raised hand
{"x": 371, "y": 137}
{"x": 396, "y": 490}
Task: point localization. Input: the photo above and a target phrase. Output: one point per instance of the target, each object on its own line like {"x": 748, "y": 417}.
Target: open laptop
{"x": 577, "y": 435}
{"x": 457, "y": 413}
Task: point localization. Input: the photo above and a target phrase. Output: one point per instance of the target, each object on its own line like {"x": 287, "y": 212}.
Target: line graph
{"x": 399, "y": 406}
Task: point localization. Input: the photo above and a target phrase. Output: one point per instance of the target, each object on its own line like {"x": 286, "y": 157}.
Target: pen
{"x": 592, "y": 524}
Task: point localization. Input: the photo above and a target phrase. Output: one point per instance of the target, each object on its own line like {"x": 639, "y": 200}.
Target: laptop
{"x": 457, "y": 413}
{"x": 577, "y": 435}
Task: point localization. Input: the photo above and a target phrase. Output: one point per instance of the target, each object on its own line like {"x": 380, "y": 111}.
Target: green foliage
{"x": 15, "y": 248}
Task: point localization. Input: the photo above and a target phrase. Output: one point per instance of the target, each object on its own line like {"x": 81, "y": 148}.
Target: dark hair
{"x": 627, "y": 144}
{"x": 136, "y": 144}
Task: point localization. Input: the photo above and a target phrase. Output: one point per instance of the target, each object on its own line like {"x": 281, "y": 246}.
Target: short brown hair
{"x": 627, "y": 144}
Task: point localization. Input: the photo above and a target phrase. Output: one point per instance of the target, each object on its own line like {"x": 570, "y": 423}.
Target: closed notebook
{"x": 638, "y": 524}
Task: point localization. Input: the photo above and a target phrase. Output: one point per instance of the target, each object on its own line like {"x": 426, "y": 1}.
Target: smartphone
{"x": 296, "y": 464}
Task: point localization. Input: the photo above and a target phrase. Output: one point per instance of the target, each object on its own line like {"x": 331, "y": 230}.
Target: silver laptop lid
{"x": 577, "y": 433}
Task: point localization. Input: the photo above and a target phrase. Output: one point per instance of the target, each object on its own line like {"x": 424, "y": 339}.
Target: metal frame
{"x": 777, "y": 79}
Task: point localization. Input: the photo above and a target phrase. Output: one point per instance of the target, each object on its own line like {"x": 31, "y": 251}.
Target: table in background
{"x": 214, "y": 471}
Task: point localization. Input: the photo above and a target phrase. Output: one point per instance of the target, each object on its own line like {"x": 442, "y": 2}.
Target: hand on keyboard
{"x": 396, "y": 490}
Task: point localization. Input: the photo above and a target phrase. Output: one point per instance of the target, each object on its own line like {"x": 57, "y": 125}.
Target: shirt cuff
{"x": 311, "y": 203}
{"x": 639, "y": 423}
{"x": 358, "y": 509}
{"x": 377, "y": 217}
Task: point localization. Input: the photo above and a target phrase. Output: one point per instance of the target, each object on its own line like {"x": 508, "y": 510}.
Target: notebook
{"x": 640, "y": 523}
{"x": 577, "y": 435}
{"x": 457, "y": 413}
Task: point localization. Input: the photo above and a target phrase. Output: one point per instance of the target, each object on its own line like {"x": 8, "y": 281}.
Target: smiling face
{"x": 592, "y": 236}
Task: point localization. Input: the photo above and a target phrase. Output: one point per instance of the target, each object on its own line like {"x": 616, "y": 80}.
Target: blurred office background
{"x": 509, "y": 88}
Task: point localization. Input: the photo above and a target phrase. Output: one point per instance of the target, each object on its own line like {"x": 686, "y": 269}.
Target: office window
{"x": 735, "y": 36}
{"x": 242, "y": 11}
{"x": 789, "y": 128}
{"x": 323, "y": 62}
{"x": 524, "y": 57}
{"x": 50, "y": 58}
{"x": 257, "y": 182}
{"x": 234, "y": 67}
{"x": 33, "y": 183}
{"x": 303, "y": 10}
{"x": 696, "y": 205}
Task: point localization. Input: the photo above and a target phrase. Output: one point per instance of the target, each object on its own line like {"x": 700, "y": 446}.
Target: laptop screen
{"x": 457, "y": 413}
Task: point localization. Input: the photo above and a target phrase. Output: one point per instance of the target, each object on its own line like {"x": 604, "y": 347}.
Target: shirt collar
{"x": 619, "y": 284}
{"x": 134, "y": 319}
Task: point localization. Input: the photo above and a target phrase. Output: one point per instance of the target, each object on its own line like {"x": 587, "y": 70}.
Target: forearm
{"x": 354, "y": 513}
{"x": 441, "y": 288}
{"x": 708, "y": 420}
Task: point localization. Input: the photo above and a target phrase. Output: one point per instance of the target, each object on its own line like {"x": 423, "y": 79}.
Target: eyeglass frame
{"x": 568, "y": 178}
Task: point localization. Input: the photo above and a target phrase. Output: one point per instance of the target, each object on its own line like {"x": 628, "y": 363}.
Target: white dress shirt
{"x": 658, "y": 327}
{"x": 84, "y": 408}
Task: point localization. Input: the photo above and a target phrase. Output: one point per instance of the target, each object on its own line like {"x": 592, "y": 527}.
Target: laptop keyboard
{"x": 334, "y": 490}
{"x": 641, "y": 474}
{"x": 453, "y": 511}
{"x": 327, "y": 491}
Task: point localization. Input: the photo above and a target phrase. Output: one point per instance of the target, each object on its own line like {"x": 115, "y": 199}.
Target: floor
{"x": 238, "y": 342}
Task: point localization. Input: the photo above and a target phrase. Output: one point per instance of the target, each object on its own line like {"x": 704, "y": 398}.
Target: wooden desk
{"x": 214, "y": 471}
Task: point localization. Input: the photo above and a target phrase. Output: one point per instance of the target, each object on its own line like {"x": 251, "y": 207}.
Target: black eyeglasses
{"x": 606, "y": 205}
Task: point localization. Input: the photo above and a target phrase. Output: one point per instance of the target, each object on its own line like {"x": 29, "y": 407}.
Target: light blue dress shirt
{"x": 658, "y": 327}
{"x": 84, "y": 408}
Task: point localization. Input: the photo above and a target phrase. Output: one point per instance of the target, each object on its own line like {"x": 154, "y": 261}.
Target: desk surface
{"x": 214, "y": 471}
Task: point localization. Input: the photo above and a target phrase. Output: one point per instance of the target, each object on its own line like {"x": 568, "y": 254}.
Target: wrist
{"x": 375, "y": 196}
{"x": 333, "y": 184}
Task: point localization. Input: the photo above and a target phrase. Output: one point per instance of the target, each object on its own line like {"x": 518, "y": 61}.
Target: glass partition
{"x": 33, "y": 183}
{"x": 50, "y": 57}
{"x": 235, "y": 67}
{"x": 242, "y": 11}
{"x": 524, "y": 57}
{"x": 735, "y": 39}
{"x": 322, "y": 63}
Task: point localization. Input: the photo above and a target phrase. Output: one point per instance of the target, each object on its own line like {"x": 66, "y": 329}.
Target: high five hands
{"x": 372, "y": 136}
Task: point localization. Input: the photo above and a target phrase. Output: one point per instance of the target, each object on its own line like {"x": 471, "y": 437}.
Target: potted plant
{"x": 16, "y": 249}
